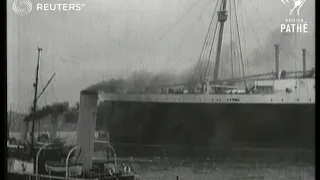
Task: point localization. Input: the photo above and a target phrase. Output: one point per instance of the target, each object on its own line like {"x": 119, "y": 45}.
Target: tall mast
{"x": 35, "y": 85}
{"x": 222, "y": 18}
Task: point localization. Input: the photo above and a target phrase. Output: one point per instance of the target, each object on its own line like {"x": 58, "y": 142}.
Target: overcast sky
{"x": 111, "y": 38}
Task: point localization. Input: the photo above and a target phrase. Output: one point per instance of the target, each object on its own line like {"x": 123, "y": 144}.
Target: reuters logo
{"x": 22, "y": 7}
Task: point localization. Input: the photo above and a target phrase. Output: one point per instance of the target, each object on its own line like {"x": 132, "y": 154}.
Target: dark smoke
{"x": 142, "y": 79}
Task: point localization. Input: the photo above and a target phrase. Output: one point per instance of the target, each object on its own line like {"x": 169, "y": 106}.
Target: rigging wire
{"x": 231, "y": 40}
{"x": 209, "y": 63}
{"x": 240, "y": 49}
{"x": 197, "y": 68}
{"x": 174, "y": 24}
{"x": 234, "y": 38}
{"x": 187, "y": 32}
{"x": 295, "y": 40}
{"x": 259, "y": 14}
{"x": 205, "y": 53}
{"x": 239, "y": 53}
{"x": 207, "y": 37}
{"x": 269, "y": 29}
{"x": 253, "y": 29}
{"x": 244, "y": 52}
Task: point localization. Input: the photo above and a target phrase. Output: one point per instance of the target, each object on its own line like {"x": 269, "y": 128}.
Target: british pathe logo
{"x": 294, "y": 24}
{"x": 297, "y": 4}
{"x": 22, "y": 7}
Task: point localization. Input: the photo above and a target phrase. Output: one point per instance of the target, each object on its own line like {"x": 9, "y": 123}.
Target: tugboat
{"x": 54, "y": 160}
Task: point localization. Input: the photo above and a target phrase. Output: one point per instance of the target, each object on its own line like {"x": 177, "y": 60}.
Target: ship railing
{"x": 164, "y": 88}
{"x": 37, "y": 157}
{"x": 53, "y": 177}
{"x": 68, "y": 157}
{"x": 67, "y": 160}
{"x": 112, "y": 149}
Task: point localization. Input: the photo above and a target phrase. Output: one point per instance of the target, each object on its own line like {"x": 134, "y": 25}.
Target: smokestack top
{"x": 304, "y": 61}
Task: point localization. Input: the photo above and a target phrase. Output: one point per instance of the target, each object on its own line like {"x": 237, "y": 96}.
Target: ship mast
{"x": 35, "y": 85}
{"x": 222, "y": 18}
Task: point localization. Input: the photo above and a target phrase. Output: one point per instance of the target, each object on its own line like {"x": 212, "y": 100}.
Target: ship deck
{"x": 286, "y": 91}
{"x": 211, "y": 98}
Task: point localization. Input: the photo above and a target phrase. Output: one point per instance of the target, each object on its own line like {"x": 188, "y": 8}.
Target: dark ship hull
{"x": 208, "y": 125}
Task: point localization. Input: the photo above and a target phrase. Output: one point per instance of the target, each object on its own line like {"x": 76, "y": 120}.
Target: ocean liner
{"x": 270, "y": 110}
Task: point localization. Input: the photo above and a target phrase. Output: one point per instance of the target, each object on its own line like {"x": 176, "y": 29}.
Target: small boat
{"x": 51, "y": 161}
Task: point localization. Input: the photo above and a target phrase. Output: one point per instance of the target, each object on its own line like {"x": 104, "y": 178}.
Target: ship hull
{"x": 210, "y": 125}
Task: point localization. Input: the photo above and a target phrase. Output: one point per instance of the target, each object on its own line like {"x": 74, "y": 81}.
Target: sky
{"x": 112, "y": 38}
